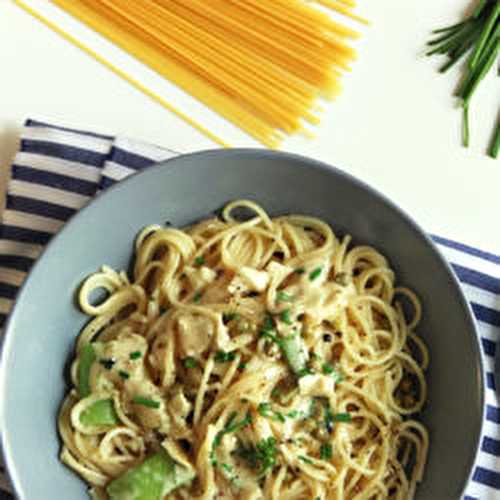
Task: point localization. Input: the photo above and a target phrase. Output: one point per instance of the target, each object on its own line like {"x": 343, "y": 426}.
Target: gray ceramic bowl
{"x": 45, "y": 322}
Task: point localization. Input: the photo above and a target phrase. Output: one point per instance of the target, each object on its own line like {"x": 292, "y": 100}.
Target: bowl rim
{"x": 295, "y": 159}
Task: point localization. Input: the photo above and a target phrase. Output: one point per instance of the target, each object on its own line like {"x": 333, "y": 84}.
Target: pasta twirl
{"x": 248, "y": 358}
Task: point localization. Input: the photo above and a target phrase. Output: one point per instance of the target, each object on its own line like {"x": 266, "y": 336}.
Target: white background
{"x": 395, "y": 126}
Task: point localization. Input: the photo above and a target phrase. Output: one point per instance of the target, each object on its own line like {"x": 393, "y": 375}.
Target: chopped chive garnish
{"x": 232, "y": 426}
{"x": 326, "y": 451}
{"x": 265, "y": 410}
{"x": 197, "y": 297}
{"x": 284, "y": 297}
{"x": 242, "y": 366}
{"x": 285, "y": 317}
{"x": 342, "y": 417}
{"x": 328, "y": 418}
{"x": 328, "y": 369}
{"x": 268, "y": 322}
{"x": 148, "y": 403}
{"x": 107, "y": 363}
{"x": 293, "y": 414}
{"x": 135, "y": 355}
{"x": 227, "y": 317}
{"x": 263, "y": 455}
{"x": 300, "y": 270}
{"x": 227, "y": 467}
{"x": 200, "y": 260}
{"x": 276, "y": 393}
{"x": 315, "y": 274}
{"x": 124, "y": 375}
{"x": 305, "y": 459}
{"x": 190, "y": 362}
{"x": 305, "y": 371}
{"x": 224, "y": 357}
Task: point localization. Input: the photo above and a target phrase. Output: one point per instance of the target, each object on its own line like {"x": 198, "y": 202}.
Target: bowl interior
{"x": 45, "y": 322}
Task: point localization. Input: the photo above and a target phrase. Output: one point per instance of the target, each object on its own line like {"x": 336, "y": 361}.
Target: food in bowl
{"x": 255, "y": 358}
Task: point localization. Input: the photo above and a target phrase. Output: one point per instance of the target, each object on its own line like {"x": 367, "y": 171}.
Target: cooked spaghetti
{"x": 247, "y": 358}
{"x": 260, "y": 64}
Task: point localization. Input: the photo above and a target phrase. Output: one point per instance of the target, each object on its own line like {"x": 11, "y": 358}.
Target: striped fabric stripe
{"x": 58, "y": 170}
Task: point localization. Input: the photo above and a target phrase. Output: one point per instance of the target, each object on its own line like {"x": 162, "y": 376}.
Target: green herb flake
{"x": 197, "y": 297}
{"x": 200, "y": 260}
{"x": 284, "y": 297}
{"x": 148, "y": 403}
{"x": 326, "y": 451}
{"x": 293, "y": 413}
{"x": 224, "y": 357}
{"x": 306, "y": 460}
{"x": 327, "y": 368}
{"x": 342, "y": 417}
{"x": 227, "y": 467}
{"x": 124, "y": 375}
{"x": 285, "y": 317}
{"x": 305, "y": 371}
{"x": 189, "y": 362}
{"x": 242, "y": 366}
{"x": 268, "y": 324}
{"x": 315, "y": 273}
{"x": 135, "y": 355}
{"x": 227, "y": 317}
{"x": 232, "y": 426}
{"x": 276, "y": 393}
{"x": 300, "y": 270}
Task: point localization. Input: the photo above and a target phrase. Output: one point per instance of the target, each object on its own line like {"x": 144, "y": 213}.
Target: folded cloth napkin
{"x": 58, "y": 170}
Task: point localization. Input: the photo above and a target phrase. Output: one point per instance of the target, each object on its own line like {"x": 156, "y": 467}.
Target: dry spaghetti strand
{"x": 261, "y": 65}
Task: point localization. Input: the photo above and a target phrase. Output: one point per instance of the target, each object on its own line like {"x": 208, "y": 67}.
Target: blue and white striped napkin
{"x": 58, "y": 170}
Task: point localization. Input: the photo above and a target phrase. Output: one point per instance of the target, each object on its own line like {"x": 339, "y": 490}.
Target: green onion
{"x": 284, "y": 297}
{"x": 479, "y": 32}
{"x": 304, "y": 371}
{"x": 263, "y": 455}
{"x": 227, "y": 317}
{"x": 466, "y": 128}
{"x": 328, "y": 369}
{"x": 135, "y": 355}
{"x": 232, "y": 426}
{"x": 148, "y": 403}
{"x": 342, "y": 417}
{"x": 200, "y": 260}
{"x": 293, "y": 414}
{"x": 224, "y": 357}
{"x": 197, "y": 296}
{"x": 300, "y": 270}
{"x": 285, "y": 317}
{"x": 326, "y": 451}
{"x": 268, "y": 322}
{"x": 305, "y": 459}
{"x": 315, "y": 273}
{"x": 124, "y": 375}
{"x": 495, "y": 143}
{"x": 190, "y": 362}
{"x": 227, "y": 467}
{"x": 242, "y": 366}
{"x": 265, "y": 410}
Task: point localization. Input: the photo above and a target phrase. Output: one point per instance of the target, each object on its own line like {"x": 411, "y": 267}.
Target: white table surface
{"x": 395, "y": 126}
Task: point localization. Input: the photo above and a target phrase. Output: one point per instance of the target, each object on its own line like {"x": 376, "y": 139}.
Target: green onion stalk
{"x": 478, "y": 35}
